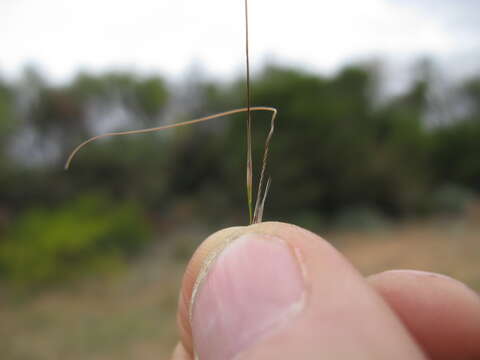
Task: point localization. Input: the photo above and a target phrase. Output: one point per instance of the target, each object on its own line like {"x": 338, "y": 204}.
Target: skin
{"x": 418, "y": 315}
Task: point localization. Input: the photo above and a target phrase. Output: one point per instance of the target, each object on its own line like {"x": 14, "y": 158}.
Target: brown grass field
{"x": 131, "y": 315}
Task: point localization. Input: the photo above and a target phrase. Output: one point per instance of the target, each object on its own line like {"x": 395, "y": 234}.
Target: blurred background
{"x": 376, "y": 149}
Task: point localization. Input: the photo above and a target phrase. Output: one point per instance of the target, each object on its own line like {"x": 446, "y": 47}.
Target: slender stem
{"x": 249, "y": 122}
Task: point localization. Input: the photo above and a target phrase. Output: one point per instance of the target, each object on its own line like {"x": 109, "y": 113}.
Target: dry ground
{"x": 132, "y": 315}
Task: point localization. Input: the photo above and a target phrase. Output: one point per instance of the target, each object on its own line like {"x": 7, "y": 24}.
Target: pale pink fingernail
{"x": 253, "y": 287}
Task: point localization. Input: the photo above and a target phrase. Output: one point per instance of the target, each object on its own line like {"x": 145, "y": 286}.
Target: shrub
{"x": 452, "y": 199}
{"x": 361, "y": 218}
{"x": 86, "y": 236}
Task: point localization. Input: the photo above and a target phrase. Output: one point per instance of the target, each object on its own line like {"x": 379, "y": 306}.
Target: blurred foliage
{"x": 86, "y": 236}
{"x": 6, "y": 121}
{"x": 342, "y": 154}
{"x": 452, "y": 200}
{"x": 361, "y": 219}
{"x": 334, "y": 147}
{"x": 6, "y": 116}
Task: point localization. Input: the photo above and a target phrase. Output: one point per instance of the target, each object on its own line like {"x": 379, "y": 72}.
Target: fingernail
{"x": 252, "y": 288}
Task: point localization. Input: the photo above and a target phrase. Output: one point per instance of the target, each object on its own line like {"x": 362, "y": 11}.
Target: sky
{"x": 62, "y": 37}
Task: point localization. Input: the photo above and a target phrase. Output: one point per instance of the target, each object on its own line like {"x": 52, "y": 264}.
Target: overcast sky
{"x": 64, "y": 36}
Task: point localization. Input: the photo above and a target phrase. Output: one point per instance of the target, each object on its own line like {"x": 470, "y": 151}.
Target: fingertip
{"x": 442, "y": 313}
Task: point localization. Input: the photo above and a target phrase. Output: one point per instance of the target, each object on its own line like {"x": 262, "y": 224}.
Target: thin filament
{"x": 165, "y": 127}
{"x": 261, "y": 194}
{"x": 249, "y": 122}
{"x": 261, "y": 197}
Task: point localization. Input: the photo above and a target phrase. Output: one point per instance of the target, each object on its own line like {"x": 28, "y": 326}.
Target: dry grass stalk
{"x": 261, "y": 193}
{"x": 255, "y": 214}
{"x": 249, "y": 124}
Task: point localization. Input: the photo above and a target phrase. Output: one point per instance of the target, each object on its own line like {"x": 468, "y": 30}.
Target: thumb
{"x": 276, "y": 291}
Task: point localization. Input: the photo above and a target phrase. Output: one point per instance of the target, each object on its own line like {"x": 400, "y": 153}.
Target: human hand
{"x": 276, "y": 291}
